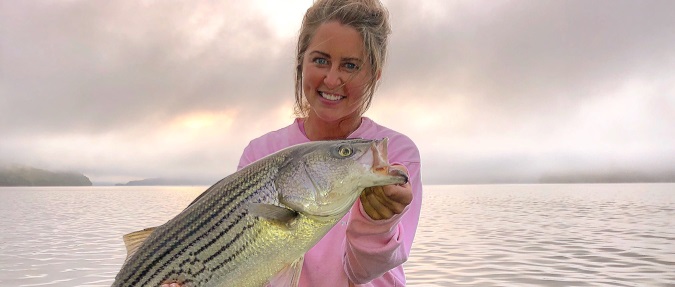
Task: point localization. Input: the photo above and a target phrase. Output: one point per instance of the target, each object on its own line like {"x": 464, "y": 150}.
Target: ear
{"x": 379, "y": 75}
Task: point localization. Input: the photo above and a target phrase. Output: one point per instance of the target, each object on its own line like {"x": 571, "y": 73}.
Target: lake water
{"x": 468, "y": 235}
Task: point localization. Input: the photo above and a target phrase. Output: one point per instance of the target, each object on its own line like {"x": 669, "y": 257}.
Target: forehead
{"x": 337, "y": 40}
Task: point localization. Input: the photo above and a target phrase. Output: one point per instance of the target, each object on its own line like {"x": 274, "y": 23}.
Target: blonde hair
{"x": 369, "y": 17}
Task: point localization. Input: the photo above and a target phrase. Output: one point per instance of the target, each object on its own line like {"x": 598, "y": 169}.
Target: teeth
{"x": 330, "y": 96}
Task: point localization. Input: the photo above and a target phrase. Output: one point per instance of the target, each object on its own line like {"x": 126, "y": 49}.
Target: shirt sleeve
{"x": 375, "y": 249}
{"x": 246, "y": 157}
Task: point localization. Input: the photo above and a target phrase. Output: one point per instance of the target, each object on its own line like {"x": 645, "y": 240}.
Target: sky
{"x": 489, "y": 90}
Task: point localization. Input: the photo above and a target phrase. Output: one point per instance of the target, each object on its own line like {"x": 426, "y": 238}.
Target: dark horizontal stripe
{"x": 164, "y": 259}
{"x": 214, "y": 256}
{"x": 153, "y": 257}
{"x": 222, "y": 249}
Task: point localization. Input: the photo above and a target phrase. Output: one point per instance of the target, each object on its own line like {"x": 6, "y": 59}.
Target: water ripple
{"x": 555, "y": 235}
{"x": 493, "y": 235}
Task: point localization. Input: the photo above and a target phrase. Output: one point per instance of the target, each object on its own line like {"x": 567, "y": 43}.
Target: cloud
{"x": 532, "y": 79}
{"x": 527, "y": 55}
{"x": 88, "y": 66}
{"x": 134, "y": 89}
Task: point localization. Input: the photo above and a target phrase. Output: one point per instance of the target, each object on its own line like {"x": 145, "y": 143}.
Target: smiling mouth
{"x": 331, "y": 97}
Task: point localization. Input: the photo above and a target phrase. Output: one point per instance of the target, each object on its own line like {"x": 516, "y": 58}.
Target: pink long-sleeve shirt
{"x": 358, "y": 250}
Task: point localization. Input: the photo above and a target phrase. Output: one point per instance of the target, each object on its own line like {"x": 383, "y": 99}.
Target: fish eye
{"x": 345, "y": 151}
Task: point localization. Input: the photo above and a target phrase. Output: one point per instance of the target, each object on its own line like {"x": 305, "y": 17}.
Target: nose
{"x": 333, "y": 78}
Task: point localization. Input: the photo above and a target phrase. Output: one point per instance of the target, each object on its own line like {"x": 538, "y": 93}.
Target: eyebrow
{"x": 329, "y": 57}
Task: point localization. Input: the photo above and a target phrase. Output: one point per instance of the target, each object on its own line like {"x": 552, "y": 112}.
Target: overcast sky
{"x": 489, "y": 90}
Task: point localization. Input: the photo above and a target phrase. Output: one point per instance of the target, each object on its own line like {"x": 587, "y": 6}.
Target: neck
{"x": 318, "y": 129}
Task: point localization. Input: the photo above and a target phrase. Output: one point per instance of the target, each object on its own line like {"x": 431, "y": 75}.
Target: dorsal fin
{"x": 134, "y": 240}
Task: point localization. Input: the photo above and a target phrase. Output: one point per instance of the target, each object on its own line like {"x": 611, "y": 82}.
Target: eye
{"x": 351, "y": 67}
{"x": 345, "y": 151}
{"x": 320, "y": 61}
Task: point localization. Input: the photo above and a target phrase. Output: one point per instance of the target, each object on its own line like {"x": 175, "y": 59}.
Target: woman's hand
{"x": 383, "y": 202}
{"x": 171, "y": 285}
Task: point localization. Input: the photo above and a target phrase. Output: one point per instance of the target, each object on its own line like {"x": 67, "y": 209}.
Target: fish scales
{"x": 191, "y": 231}
{"x": 217, "y": 239}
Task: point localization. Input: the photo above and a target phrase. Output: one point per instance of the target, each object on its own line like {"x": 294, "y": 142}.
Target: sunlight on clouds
{"x": 273, "y": 119}
{"x": 441, "y": 112}
{"x": 198, "y": 123}
{"x": 283, "y": 16}
{"x": 441, "y": 123}
{"x": 143, "y": 149}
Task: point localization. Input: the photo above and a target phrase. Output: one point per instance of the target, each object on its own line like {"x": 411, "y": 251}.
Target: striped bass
{"x": 253, "y": 227}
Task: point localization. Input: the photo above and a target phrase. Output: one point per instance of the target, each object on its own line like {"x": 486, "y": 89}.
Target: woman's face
{"x": 335, "y": 73}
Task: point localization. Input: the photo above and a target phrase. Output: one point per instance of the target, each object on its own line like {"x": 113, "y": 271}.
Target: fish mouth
{"x": 380, "y": 158}
{"x": 380, "y": 161}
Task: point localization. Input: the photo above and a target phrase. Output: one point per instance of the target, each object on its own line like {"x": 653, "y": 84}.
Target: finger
{"x": 377, "y": 202}
{"x": 367, "y": 190}
{"x": 374, "y": 208}
{"x": 368, "y": 208}
{"x": 399, "y": 193}
{"x": 387, "y": 196}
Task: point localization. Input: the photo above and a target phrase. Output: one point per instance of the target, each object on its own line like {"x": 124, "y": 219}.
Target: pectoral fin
{"x": 289, "y": 276}
{"x": 273, "y": 212}
{"x": 134, "y": 240}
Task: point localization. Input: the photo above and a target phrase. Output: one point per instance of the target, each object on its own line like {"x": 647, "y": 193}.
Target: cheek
{"x": 356, "y": 88}
{"x": 310, "y": 79}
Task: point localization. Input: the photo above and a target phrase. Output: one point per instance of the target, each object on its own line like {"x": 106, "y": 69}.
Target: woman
{"x": 341, "y": 50}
